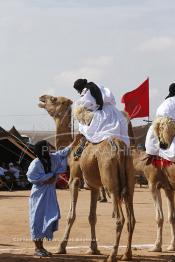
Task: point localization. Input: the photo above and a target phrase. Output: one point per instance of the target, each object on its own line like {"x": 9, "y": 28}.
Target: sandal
{"x": 40, "y": 253}
{"x": 171, "y": 260}
{"x": 49, "y": 254}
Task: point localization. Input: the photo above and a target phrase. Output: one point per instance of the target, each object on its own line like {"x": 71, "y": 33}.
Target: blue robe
{"x": 44, "y": 211}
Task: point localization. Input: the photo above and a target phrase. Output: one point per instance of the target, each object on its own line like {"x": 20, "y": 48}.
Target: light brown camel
{"x": 99, "y": 164}
{"x": 61, "y": 113}
{"x": 159, "y": 178}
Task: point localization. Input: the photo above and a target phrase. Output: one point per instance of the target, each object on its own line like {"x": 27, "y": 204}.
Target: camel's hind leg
{"x": 171, "y": 217}
{"x": 130, "y": 227}
{"x": 74, "y": 186}
{"x": 120, "y": 220}
{"x": 93, "y": 250}
{"x": 159, "y": 218}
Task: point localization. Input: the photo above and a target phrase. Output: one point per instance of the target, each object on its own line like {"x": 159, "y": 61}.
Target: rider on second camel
{"x": 160, "y": 139}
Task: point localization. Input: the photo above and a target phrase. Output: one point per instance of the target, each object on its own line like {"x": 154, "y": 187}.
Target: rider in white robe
{"x": 167, "y": 108}
{"x": 107, "y": 120}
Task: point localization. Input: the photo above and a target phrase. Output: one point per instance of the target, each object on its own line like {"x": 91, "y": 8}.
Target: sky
{"x": 45, "y": 45}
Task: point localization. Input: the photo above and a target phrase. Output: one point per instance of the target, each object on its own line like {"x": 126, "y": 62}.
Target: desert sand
{"x": 16, "y": 246}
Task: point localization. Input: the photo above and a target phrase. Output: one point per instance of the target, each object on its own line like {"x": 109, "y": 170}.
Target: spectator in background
{"x": 4, "y": 179}
{"x": 14, "y": 170}
{"x": 2, "y": 170}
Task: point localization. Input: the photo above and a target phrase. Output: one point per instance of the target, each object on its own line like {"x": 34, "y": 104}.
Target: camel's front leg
{"x": 120, "y": 220}
{"x": 130, "y": 227}
{"x": 74, "y": 186}
{"x": 171, "y": 217}
{"x": 159, "y": 218}
{"x": 93, "y": 250}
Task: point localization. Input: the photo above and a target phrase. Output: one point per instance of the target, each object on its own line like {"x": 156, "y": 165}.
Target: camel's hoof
{"x": 155, "y": 249}
{"x": 126, "y": 257}
{"x": 93, "y": 252}
{"x": 171, "y": 247}
{"x": 103, "y": 200}
{"x": 61, "y": 250}
{"x": 172, "y": 259}
{"x": 112, "y": 258}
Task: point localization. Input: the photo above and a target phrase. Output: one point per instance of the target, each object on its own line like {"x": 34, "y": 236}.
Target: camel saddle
{"x": 81, "y": 146}
{"x": 83, "y": 143}
{"x": 157, "y": 161}
{"x": 161, "y": 164}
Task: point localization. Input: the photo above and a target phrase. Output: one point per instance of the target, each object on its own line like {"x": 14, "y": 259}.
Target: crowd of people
{"x": 12, "y": 177}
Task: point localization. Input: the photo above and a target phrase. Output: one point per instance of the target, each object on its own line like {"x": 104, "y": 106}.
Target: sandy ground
{"x": 15, "y": 244}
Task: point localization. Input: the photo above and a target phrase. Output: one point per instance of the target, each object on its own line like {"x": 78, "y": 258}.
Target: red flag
{"x": 137, "y": 101}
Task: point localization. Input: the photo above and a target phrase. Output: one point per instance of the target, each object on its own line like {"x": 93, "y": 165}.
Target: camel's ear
{"x": 53, "y": 99}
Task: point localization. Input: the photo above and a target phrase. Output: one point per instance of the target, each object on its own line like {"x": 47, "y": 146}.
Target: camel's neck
{"x": 63, "y": 131}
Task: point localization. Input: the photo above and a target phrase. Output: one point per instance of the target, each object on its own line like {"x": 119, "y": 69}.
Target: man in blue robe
{"x": 44, "y": 212}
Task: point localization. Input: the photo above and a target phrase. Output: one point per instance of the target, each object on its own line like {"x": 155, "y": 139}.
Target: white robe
{"x": 107, "y": 122}
{"x": 167, "y": 108}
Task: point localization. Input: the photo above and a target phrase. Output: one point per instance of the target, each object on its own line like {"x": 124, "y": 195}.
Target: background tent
{"x": 13, "y": 150}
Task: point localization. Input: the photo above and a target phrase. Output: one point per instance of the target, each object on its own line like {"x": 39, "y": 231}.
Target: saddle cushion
{"x": 83, "y": 115}
{"x": 164, "y": 129}
{"x": 160, "y": 162}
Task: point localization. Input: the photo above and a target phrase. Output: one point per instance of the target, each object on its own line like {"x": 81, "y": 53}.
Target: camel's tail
{"x": 121, "y": 150}
{"x": 130, "y": 129}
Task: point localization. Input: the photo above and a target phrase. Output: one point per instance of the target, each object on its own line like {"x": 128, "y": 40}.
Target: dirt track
{"x": 15, "y": 244}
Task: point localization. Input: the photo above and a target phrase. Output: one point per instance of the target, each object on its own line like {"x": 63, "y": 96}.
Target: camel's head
{"x": 55, "y": 106}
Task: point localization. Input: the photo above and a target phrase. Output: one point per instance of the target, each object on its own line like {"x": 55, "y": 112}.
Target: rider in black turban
{"x": 80, "y": 84}
{"x": 171, "y": 90}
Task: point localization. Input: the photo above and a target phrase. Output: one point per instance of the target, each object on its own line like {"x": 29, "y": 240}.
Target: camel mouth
{"x": 41, "y": 105}
{"x": 42, "y": 102}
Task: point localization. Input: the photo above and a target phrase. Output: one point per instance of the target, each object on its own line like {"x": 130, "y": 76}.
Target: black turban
{"x": 171, "y": 90}
{"x": 96, "y": 93}
{"x": 80, "y": 84}
{"x": 41, "y": 150}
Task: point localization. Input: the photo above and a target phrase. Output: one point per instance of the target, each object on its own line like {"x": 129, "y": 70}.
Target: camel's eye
{"x": 53, "y": 99}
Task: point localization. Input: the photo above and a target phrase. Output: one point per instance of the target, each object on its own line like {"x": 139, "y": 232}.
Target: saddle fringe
{"x": 164, "y": 129}
{"x": 83, "y": 115}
